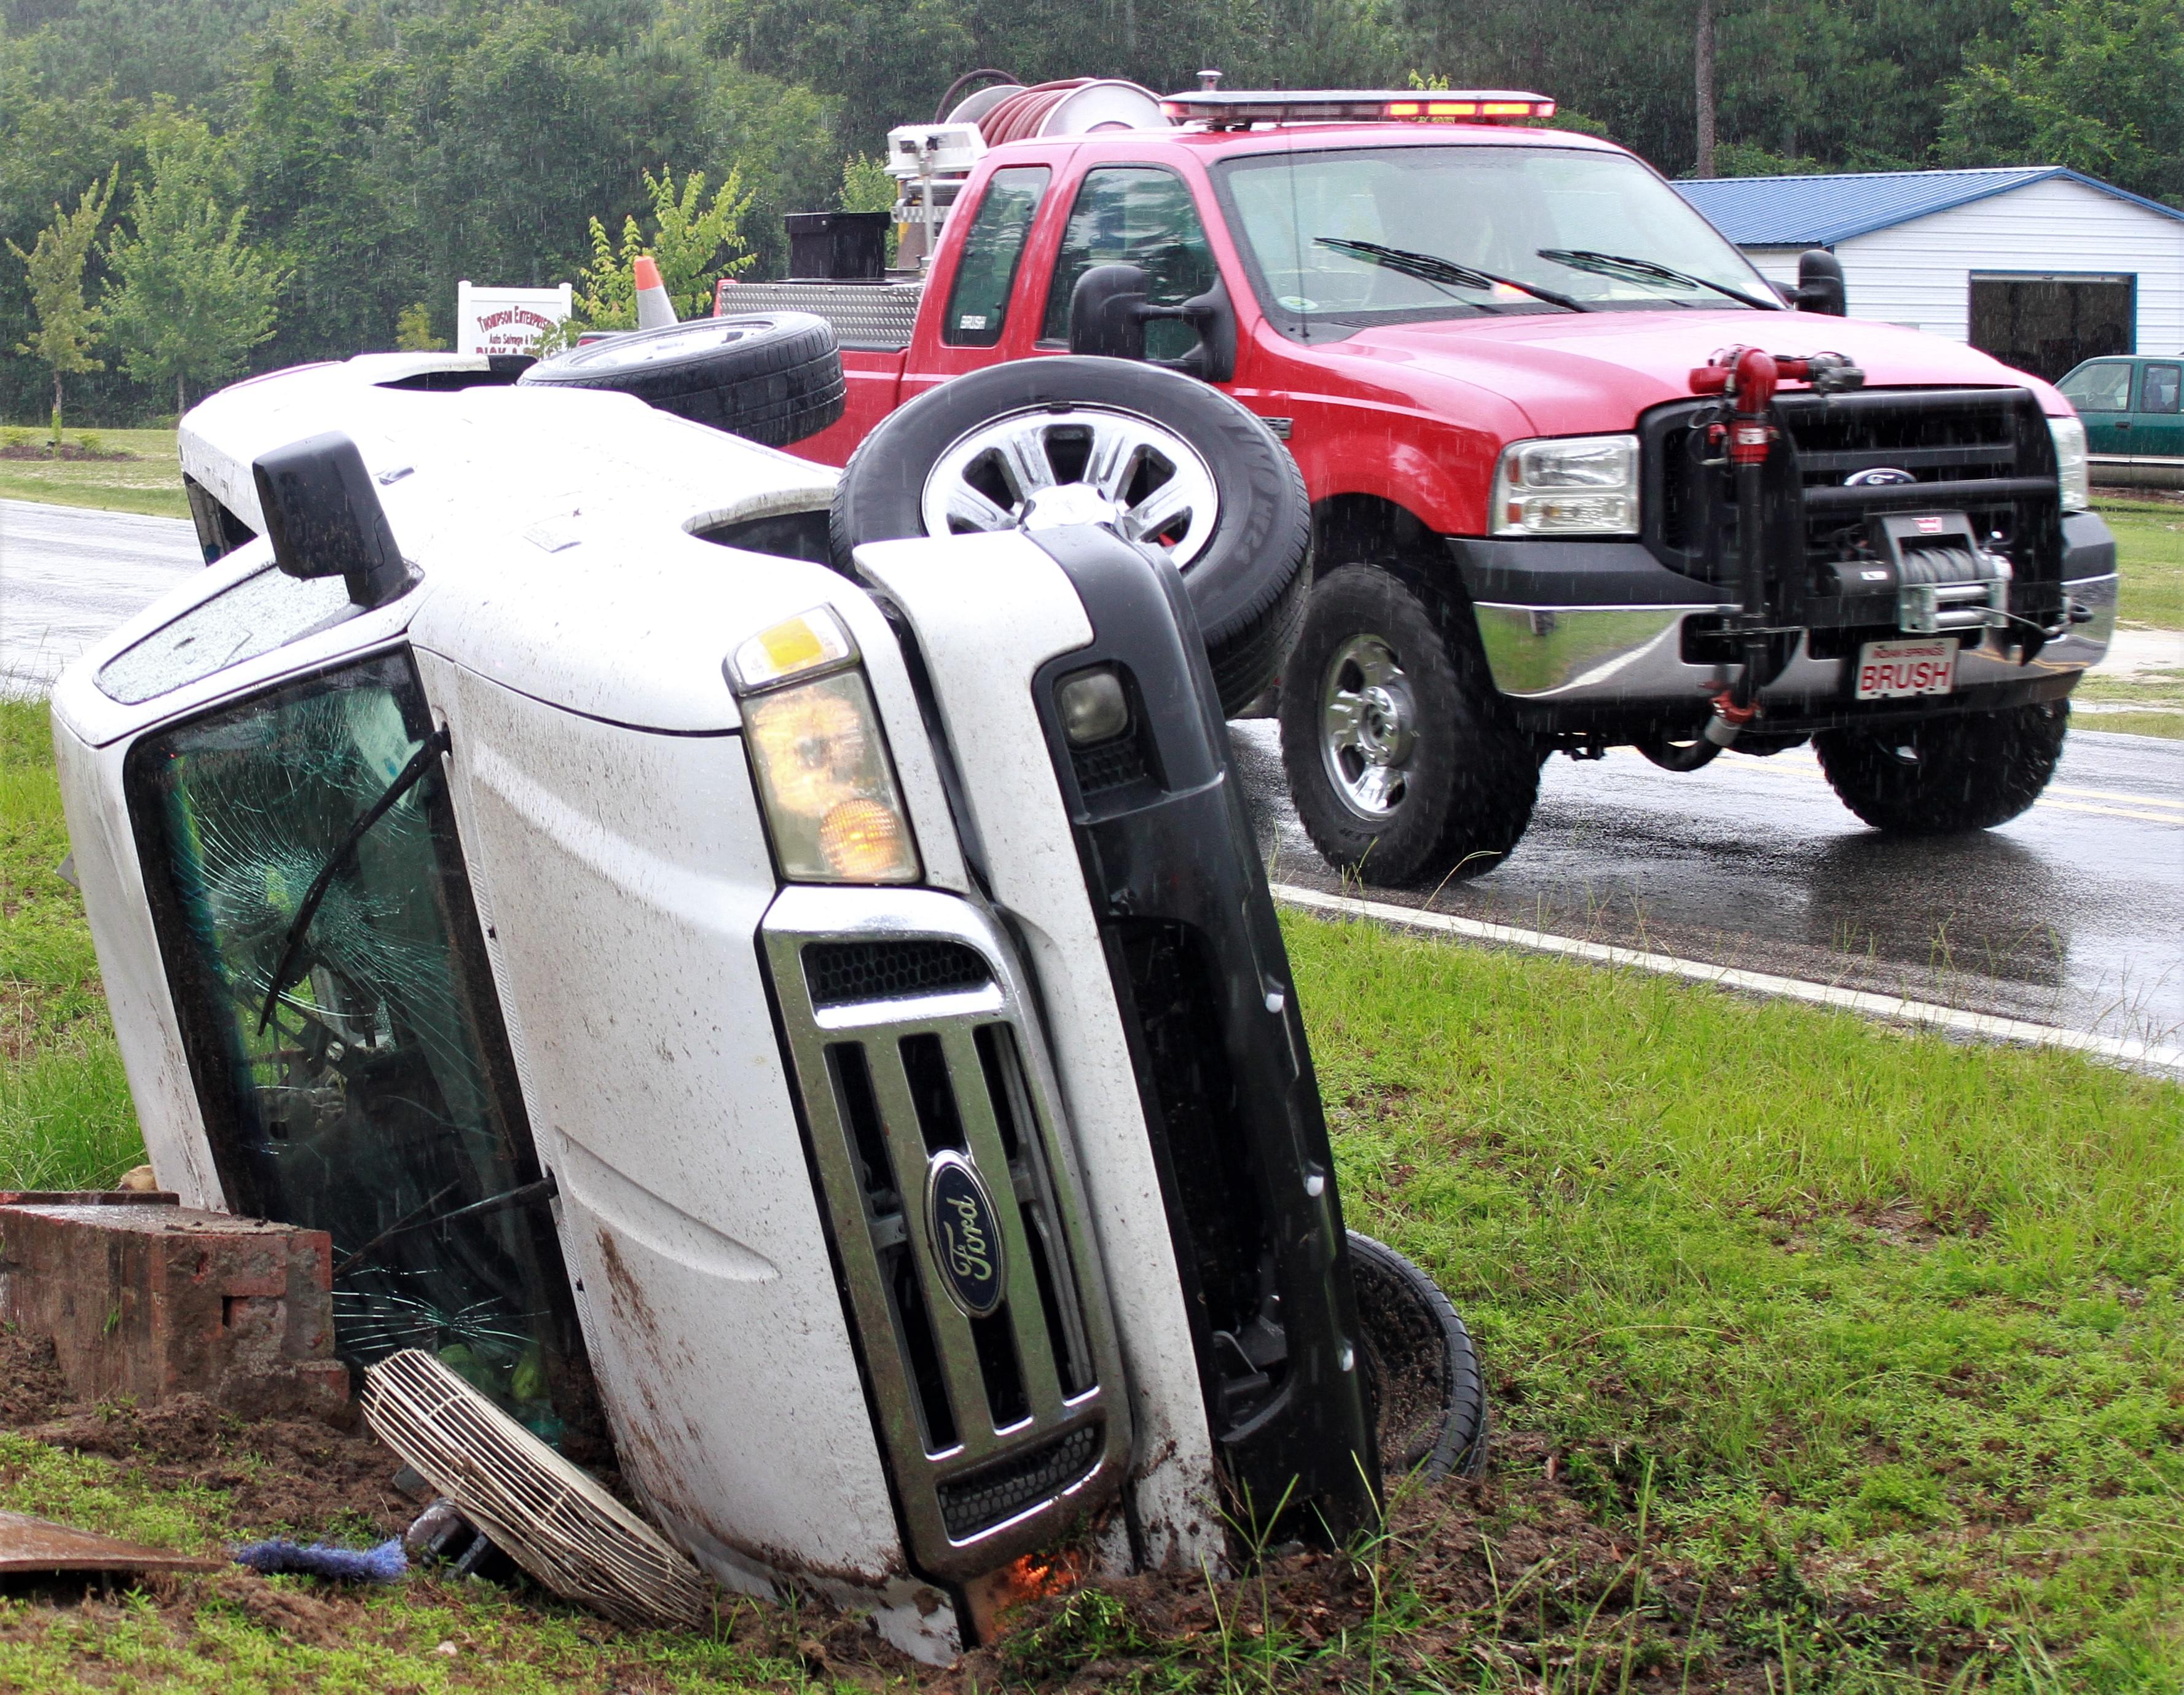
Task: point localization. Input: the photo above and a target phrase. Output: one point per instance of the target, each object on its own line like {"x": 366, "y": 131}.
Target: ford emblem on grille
{"x": 1878, "y": 476}
{"x": 965, "y": 1233}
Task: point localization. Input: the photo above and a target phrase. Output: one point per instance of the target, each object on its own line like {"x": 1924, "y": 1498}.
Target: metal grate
{"x": 1110, "y": 765}
{"x": 982, "y": 1499}
{"x": 879, "y": 316}
{"x": 974, "y": 1400}
{"x": 841, "y": 972}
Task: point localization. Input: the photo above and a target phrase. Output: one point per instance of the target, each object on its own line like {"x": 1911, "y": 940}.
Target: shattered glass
{"x": 379, "y": 1099}
{"x": 264, "y": 611}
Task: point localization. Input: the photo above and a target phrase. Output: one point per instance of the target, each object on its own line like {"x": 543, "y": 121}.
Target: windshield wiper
{"x": 1644, "y": 270}
{"x": 1429, "y": 268}
{"x": 405, "y": 779}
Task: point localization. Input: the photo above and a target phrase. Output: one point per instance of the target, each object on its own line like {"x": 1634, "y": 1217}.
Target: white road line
{"x": 2145, "y": 1054}
{"x": 1808, "y": 770}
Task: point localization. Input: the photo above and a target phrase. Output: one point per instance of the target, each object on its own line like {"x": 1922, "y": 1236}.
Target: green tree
{"x": 2095, "y": 84}
{"x": 68, "y": 323}
{"x": 686, "y": 239}
{"x": 189, "y": 298}
{"x": 413, "y": 330}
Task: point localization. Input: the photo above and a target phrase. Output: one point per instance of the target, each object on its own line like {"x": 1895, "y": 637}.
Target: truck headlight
{"x": 820, "y": 756}
{"x": 2071, "y": 470}
{"x": 1577, "y": 486}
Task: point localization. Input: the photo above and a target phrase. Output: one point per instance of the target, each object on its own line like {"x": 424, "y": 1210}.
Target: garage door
{"x": 2047, "y": 323}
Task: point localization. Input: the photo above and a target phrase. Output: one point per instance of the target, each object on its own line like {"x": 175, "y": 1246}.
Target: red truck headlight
{"x": 1575, "y": 486}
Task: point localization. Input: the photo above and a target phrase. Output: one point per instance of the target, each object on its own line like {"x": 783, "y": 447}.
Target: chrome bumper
{"x": 947, "y": 1174}
{"x": 1625, "y": 656}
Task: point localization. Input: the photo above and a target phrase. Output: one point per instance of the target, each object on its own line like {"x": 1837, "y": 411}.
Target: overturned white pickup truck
{"x": 810, "y": 1029}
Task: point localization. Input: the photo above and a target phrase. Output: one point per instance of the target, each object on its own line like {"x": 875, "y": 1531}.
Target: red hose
{"x": 1018, "y": 118}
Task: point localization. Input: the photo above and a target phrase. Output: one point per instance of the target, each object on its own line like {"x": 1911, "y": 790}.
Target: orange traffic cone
{"x": 655, "y": 310}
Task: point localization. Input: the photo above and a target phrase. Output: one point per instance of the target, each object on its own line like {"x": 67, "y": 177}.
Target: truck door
{"x": 1134, "y": 214}
{"x": 982, "y": 287}
{"x": 2156, "y": 428}
{"x": 2101, "y": 391}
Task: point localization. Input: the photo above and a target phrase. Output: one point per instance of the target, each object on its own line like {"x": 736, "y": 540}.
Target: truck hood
{"x": 1574, "y": 375}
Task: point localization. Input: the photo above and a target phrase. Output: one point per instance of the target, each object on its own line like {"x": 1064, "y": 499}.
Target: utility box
{"x": 149, "y": 1299}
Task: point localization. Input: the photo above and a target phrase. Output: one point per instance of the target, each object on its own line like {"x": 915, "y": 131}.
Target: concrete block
{"x": 148, "y": 1299}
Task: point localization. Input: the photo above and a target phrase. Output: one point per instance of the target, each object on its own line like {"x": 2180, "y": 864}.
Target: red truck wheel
{"x": 1403, "y": 763}
{"x": 1158, "y": 457}
{"x": 1970, "y": 771}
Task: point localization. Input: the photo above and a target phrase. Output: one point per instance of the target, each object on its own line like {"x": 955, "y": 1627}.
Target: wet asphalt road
{"x": 2072, "y": 915}
{"x": 68, "y": 576}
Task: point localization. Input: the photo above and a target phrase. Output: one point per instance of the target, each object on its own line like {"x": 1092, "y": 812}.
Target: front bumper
{"x": 1591, "y": 636}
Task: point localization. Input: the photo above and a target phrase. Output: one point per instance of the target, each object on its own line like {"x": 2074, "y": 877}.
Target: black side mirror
{"x": 324, "y": 519}
{"x": 1107, "y": 312}
{"x": 1108, "y": 315}
{"x": 1820, "y": 283}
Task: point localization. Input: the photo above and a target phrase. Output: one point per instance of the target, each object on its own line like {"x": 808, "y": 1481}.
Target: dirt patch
{"x": 68, "y": 450}
{"x": 31, "y": 1387}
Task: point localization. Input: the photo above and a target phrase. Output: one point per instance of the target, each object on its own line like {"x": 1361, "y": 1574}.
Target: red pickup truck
{"x": 1669, "y": 526}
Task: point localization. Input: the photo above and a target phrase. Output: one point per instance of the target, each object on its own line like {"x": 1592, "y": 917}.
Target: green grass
{"x": 1863, "y": 1350}
{"x": 150, "y": 483}
{"x": 2150, "y": 559}
{"x": 2159, "y": 695}
{"x": 1897, "y": 1318}
{"x": 65, "y": 1121}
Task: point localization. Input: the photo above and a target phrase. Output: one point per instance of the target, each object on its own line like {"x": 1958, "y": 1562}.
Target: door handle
{"x": 2123, "y": 424}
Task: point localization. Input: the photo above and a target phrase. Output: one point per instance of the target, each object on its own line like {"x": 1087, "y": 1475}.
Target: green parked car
{"x": 2134, "y": 426}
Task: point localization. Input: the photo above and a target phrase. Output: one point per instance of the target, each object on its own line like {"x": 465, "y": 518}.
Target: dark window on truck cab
{"x": 994, "y": 245}
{"x": 1140, "y": 215}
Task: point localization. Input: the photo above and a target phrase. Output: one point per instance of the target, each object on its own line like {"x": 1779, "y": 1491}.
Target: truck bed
{"x": 873, "y": 316}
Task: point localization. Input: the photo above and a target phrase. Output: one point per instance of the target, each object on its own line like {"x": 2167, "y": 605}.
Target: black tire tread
{"x": 1460, "y": 1448}
{"x": 772, "y": 390}
{"x": 1973, "y": 769}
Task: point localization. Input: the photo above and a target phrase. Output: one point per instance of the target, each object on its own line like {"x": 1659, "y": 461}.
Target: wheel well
{"x": 1352, "y": 528}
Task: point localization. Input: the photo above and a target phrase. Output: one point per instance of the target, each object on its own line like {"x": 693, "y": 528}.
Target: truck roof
{"x": 1302, "y": 138}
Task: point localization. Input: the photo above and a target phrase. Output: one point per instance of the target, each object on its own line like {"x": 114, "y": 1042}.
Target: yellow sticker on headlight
{"x": 790, "y": 648}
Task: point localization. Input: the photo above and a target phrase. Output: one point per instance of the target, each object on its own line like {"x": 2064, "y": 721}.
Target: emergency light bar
{"x": 1218, "y": 109}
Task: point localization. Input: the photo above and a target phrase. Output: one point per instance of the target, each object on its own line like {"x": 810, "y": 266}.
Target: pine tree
{"x": 68, "y": 324}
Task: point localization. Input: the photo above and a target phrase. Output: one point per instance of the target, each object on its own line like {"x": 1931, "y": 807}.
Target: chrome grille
{"x": 999, "y": 1427}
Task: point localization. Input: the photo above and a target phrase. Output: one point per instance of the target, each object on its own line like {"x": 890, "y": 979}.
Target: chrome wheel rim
{"x": 1367, "y": 727}
{"x": 1047, "y": 466}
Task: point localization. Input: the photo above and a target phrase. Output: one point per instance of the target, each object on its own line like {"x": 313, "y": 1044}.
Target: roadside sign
{"x": 506, "y": 320}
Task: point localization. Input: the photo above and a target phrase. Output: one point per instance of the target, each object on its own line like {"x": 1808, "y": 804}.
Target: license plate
{"x": 1892, "y": 670}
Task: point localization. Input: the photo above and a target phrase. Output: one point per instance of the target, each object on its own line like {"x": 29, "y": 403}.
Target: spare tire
{"x": 1156, "y": 456}
{"x": 772, "y": 378}
{"x": 1428, "y": 1394}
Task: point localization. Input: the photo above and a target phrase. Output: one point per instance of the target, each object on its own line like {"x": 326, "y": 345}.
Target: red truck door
{"x": 1007, "y": 295}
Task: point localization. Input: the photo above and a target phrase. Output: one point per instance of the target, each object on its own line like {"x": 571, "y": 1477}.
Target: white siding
{"x": 1919, "y": 273}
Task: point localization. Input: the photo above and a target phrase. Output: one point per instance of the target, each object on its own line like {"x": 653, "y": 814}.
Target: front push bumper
{"x": 1595, "y": 637}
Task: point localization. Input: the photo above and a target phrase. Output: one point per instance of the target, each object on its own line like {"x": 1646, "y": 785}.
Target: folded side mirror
{"x": 324, "y": 519}
{"x": 1107, "y": 312}
{"x": 1820, "y": 283}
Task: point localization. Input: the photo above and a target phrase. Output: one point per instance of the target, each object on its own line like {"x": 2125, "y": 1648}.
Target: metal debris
{"x": 32, "y": 1547}
{"x": 551, "y": 1519}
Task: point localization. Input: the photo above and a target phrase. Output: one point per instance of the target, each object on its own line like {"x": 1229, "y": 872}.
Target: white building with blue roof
{"x": 2038, "y": 265}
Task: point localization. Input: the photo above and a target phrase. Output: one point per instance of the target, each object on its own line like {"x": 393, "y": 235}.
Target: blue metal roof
{"x": 1820, "y": 211}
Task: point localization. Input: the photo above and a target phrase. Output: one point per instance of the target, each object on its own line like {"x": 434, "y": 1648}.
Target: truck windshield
{"x": 1594, "y": 231}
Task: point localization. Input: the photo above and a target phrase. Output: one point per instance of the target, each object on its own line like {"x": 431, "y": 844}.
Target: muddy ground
{"x": 1511, "y": 1576}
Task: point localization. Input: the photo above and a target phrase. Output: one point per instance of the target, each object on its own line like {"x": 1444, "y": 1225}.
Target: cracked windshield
{"x": 334, "y": 990}
{"x": 1390, "y": 235}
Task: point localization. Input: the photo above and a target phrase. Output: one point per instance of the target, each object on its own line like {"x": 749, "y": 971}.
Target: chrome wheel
{"x": 1367, "y": 726}
{"x": 1043, "y": 467}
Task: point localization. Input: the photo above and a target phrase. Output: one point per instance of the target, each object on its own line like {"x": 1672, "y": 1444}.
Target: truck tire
{"x": 1428, "y": 1393}
{"x": 1944, "y": 776}
{"x": 1403, "y": 762}
{"x": 771, "y": 378}
{"x": 1187, "y": 467}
